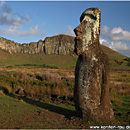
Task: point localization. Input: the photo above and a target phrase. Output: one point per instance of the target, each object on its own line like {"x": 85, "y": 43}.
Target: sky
{"x": 30, "y": 21}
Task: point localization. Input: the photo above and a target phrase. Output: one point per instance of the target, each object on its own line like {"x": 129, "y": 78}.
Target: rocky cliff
{"x": 12, "y": 47}
{"x": 60, "y": 44}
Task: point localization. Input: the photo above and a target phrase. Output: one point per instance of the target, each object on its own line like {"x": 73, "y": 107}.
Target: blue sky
{"x": 30, "y": 21}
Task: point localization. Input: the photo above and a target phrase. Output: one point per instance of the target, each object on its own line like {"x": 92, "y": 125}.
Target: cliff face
{"x": 12, "y": 47}
{"x": 60, "y": 44}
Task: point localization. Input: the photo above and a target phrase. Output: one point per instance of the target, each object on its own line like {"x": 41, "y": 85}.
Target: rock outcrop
{"x": 60, "y": 44}
{"x": 91, "y": 92}
{"x": 12, "y": 47}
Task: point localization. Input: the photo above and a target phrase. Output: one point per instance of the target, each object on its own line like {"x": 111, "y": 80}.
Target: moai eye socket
{"x": 89, "y": 15}
{"x": 92, "y": 16}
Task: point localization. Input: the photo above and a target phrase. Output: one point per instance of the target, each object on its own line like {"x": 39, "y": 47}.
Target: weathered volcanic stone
{"x": 60, "y": 44}
{"x": 91, "y": 92}
{"x": 26, "y": 48}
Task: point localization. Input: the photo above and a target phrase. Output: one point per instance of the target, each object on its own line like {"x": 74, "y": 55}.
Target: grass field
{"x": 116, "y": 60}
{"x": 27, "y": 113}
{"x": 49, "y": 103}
{"x": 38, "y": 109}
{"x": 60, "y": 61}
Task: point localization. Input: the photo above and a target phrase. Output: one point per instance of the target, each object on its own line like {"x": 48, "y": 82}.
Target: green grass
{"x": 113, "y": 55}
{"x": 36, "y": 65}
{"x": 39, "y": 60}
{"x": 24, "y": 113}
{"x": 127, "y": 59}
{"x": 12, "y": 110}
{"x": 58, "y": 61}
{"x": 122, "y": 112}
{"x": 122, "y": 77}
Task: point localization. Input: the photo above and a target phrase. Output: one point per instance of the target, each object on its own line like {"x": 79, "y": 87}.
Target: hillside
{"x": 60, "y": 61}
{"x": 57, "y": 52}
{"x": 116, "y": 60}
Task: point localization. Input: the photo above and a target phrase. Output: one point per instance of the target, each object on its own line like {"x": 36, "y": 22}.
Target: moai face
{"x": 87, "y": 33}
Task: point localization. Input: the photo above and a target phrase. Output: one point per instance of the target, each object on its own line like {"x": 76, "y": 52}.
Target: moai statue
{"x": 91, "y": 92}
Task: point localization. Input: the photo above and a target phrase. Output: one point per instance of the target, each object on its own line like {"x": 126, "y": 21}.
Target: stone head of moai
{"x": 91, "y": 91}
{"x": 87, "y": 33}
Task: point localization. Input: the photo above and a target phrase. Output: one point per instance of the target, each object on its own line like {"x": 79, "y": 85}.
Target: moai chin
{"x": 91, "y": 92}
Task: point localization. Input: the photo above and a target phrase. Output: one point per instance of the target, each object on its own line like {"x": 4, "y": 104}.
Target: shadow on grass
{"x": 53, "y": 108}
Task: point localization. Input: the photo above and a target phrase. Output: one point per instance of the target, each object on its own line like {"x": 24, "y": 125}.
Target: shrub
{"x": 127, "y": 59}
{"x": 9, "y": 66}
{"x": 5, "y": 90}
{"x": 36, "y": 65}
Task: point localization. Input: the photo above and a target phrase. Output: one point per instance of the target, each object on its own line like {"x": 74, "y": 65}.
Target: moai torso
{"x": 91, "y": 92}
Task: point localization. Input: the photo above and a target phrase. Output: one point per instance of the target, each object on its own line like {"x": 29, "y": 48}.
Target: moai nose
{"x": 78, "y": 30}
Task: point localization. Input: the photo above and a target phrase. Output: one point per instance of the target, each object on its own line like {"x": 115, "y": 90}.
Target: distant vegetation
{"x": 41, "y": 60}
{"x": 11, "y": 81}
{"x": 116, "y": 60}
{"x": 35, "y": 65}
{"x": 127, "y": 59}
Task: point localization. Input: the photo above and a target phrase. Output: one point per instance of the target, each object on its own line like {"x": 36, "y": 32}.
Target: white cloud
{"x": 32, "y": 31}
{"x": 5, "y": 7}
{"x": 14, "y": 22}
{"x": 117, "y": 37}
{"x": 116, "y": 34}
{"x": 14, "y": 31}
{"x": 120, "y": 47}
{"x": 126, "y": 52}
{"x": 104, "y": 30}
{"x": 7, "y": 19}
{"x": 119, "y": 34}
{"x": 70, "y": 31}
{"x": 2, "y": 3}
{"x": 104, "y": 42}
{"x": 43, "y": 34}
{"x": 117, "y": 46}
